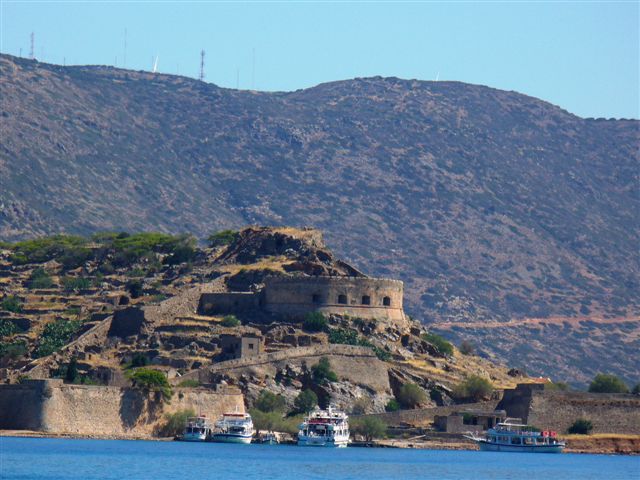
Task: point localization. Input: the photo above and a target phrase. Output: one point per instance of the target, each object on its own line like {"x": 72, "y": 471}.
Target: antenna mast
{"x": 202, "y": 66}
{"x": 32, "y": 54}
{"x": 124, "y": 61}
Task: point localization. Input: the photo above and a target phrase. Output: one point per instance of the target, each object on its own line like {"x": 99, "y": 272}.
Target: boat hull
{"x": 496, "y": 447}
{"x": 227, "y": 438}
{"x": 322, "y": 442}
{"x": 194, "y": 438}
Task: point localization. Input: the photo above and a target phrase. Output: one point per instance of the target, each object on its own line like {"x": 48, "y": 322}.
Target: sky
{"x": 581, "y": 56}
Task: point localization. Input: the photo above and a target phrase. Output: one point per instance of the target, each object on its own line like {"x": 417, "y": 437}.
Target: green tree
{"x": 11, "y": 303}
{"x": 314, "y": 322}
{"x": 220, "y": 239}
{"x": 56, "y": 335}
{"x": 7, "y": 328}
{"x": 581, "y": 426}
{"x": 305, "y": 401}
{"x": 70, "y": 284}
{"x": 39, "y": 279}
{"x": 321, "y": 372}
{"x": 369, "y": 427}
{"x": 134, "y": 287}
{"x": 230, "y": 321}
{"x": 270, "y": 402}
{"x": 71, "y": 374}
{"x": 636, "y": 389}
{"x": 411, "y": 395}
{"x": 175, "y": 422}
{"x": 151, "y": 380}
{"x": 139, "y": 360}
{"x": 392, "y": 406}
{"x": 473, "y": 388}
{"x": 13, "y": 350}
{"x": 606, "y": 383}
{"x": 443, "y": 346}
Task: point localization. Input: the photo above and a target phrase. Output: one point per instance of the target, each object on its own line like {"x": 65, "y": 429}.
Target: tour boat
{"x": 514, "y": 437}
{"x": 269, "y": 438}
{"x": 197, "y": 429}
{"x": 324, "y": 428}
{"x": 233, "y": 428}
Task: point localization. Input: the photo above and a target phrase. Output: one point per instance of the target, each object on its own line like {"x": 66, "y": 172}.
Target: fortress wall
{"x": 608, "y": 412}
{"x": 224, "y": 303}
{"x": 557, "y": 410}
{"x": 296, "y": 296}
{"x": 51, "y": 406}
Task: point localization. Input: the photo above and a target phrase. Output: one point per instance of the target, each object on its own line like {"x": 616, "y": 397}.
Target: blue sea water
{"x": 62, "y": 459}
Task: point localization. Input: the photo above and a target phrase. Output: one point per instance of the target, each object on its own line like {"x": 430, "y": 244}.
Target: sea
{"x": 61, "y": 459}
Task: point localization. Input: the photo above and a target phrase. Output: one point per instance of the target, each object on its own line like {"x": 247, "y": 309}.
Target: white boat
{"x": 269, "y": 438}
{"x": 197, "y": 429}
{"x": 233, "y": 428}
{"x": 515, "y": 437}
{"x": 324, "y": 428}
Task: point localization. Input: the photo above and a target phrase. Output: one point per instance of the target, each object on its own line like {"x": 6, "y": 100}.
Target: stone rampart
{"x": 557, "y": 410}
{"x": 53, "y": 407}
{"x": 231, "y": 302}
{"x": 365, "y": 297}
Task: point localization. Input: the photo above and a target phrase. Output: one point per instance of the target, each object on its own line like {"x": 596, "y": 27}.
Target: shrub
{"x": 443, "y": 346}
{"x": 369, "y": 427}
{"x": 343, "y": 336}
{"x": 411, "y": 395}
{"x": 67, "y": 249}
{"x": 467, "y": 348}
{"x": 305, "y": 401}
{"x": 314, "y": 322}
{"x": 13, "y": 351}
{"x": 636, "y": 389}
{"x": 220, "y": 239}
{"x": 11, "y": 303}
{"x": 39, "y": 278}
{"x": 321, "y": 372}
{"x": 139, "y": 360}
{"x": 189, "y": 383}
{"x": 274, "y": 421}
{"x": 175, "y": 422}
{"x": 230, "y": 321}
{"x": 392, "y": 406}
{"x": 561, "y": 386}
{"x": 7, "y": 328}
{"x": 71, "y": 374}
{"x": 270, "y": 402}
{"x": 153, "y": 381}
{"x": 581, "y": 426}
{"x": 70, "y": 284}
{"x": 605, "y": 383}
{"x": 360, "y": 406}
{"x": 473, "y": 388}
{"x": 55, "y": 336}
{"x": 134, "y": 287}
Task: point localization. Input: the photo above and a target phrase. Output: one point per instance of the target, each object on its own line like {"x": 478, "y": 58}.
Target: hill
{"x": 490, "y": 205}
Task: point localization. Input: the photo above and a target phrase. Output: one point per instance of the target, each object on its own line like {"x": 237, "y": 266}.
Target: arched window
{"x": 366, "y": 300}
{"x": 386, "y": 301}
{"x": 342, "y": 299}
{"x": 316, "y": 298}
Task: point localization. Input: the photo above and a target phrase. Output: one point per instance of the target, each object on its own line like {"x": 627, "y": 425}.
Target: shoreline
{"x": 598, "y": 444}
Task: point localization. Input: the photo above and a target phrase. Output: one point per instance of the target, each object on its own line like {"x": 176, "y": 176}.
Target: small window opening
{"x": 366, "y": 300}
{"x": 315, "y": 298}
{"x": 342, "y": 299}
{"x": 386, "y": 301}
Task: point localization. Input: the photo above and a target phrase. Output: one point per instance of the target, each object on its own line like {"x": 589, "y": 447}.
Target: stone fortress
{"x": 295, "y": 296}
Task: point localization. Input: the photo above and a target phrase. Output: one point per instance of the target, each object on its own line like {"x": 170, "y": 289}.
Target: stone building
{"x": 463, "y": 421}
{"x": 244, "y": 346}
{"x": 295, "y": 296}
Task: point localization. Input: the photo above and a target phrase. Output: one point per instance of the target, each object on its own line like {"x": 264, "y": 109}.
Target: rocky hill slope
{"x": 490, "y": 205}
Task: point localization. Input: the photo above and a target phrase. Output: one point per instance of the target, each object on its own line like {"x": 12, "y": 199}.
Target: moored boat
{"x": 324, "y": 428}
{"x": 233, "y": 428}
{"x": 197, "y": 429}
{"x": 515, "y": 437}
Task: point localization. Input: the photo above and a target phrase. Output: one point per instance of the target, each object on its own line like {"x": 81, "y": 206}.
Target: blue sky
{"x": 582, "y": 56}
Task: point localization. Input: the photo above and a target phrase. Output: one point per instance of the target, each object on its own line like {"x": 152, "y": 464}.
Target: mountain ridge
{"x": 488, "y": 204}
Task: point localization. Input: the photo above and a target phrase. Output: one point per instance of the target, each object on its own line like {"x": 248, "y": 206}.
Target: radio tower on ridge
{"x": 32, "y": 53}
{"x": 202, "y": 66}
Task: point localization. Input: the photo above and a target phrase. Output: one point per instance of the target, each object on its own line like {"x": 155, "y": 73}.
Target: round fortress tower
{"x": 365, "y": 297}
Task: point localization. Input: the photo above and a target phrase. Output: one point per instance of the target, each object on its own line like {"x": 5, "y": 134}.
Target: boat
{"x": 515, "y": 437}
{"x": 324, "y": 428}
{"x": 197, "y": 429}
{"x": 269, "y": 438}
{"x": 233, "y": 428}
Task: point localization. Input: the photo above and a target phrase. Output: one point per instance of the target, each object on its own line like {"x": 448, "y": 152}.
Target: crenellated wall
{"x": 365, "y": 297}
